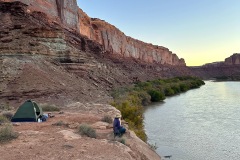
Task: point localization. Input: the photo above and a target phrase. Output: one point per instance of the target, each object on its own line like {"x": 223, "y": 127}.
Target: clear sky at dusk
{"x": 200, "y": 31}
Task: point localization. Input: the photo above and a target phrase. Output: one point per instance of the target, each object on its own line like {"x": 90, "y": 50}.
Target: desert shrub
{"x": 85, "y": 129}
{"x": 3, "y": 119}
{"x": 49, "y": 108}
{"x": 5, "y": 107}
{"x": 184, "y": 87}
{"x": 143, "y": 97}
{"x": 176, "y": 88}
{"x": 169, "y": 91}
{"x": 59, "y": 123}
{"x": 8, "y": 115}
{"x": 144, "y": 85}
{"x": 156, "y": 96}
{"x": 7, "y": 134}
{"x": 133, "y": 114}
{"x": 107, "y": 119}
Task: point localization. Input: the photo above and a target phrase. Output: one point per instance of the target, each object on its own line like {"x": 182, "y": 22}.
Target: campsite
{"x": 60, "y": 134}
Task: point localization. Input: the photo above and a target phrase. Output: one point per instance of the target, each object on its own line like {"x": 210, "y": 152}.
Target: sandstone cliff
{"x": 117, "y": 42}
{"x": 61, "y": 11}
{"x": 112, "y": 39}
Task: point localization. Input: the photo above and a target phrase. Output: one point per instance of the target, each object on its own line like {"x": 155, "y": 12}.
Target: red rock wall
{"x": 112, "y": 39}
{"x": 65, "y": 11}
{"x": 116, "y": 41}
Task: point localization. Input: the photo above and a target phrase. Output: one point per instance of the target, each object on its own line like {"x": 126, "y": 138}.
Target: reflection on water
{"x": 201, "y": 124}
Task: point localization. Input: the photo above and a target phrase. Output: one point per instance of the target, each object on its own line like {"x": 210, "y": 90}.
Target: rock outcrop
{"x": 113, "y": 40}
{"x": 233, "y": 60}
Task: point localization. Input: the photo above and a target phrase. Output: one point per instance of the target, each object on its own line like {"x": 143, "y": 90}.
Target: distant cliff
{"x": 227, "y": 70}
{"x": 113, "y": 40}
{"x": 233, "y": 60}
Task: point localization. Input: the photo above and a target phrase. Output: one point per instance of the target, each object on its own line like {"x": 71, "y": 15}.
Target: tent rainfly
{"x": 29, "y": 111}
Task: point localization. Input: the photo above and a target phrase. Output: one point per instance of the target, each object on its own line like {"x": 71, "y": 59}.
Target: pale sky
{"x": 200, "y": 31}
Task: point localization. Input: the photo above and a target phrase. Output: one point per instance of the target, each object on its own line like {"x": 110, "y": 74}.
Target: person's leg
{"x": 122, "y": 130}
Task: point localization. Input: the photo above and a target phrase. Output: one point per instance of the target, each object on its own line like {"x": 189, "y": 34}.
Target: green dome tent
{"x": 29, "y": 111}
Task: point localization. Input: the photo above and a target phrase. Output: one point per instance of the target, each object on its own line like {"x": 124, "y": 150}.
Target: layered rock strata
{"x": 113, "y": 40}
{"x": 47, "y": 61}
{"x": 60, "y": 11}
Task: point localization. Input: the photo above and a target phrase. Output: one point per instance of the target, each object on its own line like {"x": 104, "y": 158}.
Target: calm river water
{"x": 201, "y": 124}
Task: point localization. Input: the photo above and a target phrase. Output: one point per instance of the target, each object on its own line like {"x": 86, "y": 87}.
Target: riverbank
{"x": 131, "y": 100}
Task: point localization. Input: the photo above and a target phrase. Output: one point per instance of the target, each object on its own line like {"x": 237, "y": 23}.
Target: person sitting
{"x": 118, "y": 129}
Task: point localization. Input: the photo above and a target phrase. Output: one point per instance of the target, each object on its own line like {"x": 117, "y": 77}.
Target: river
{"x": 201, "y": 124}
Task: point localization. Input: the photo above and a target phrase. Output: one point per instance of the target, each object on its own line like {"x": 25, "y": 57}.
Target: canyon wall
{"x": 63, "y": 11}
{"x": 113, "y": 40}
{"x": 117, "y": 42}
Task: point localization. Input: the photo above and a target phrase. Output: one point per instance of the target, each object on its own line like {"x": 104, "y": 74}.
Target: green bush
{"x": 156, "y": 96}
{"x": 176, "y": 88}
{"x": 7, "y": 134}
{"x": 184, "y": 87}
{"x": 107, "y": 119}
{"x": 49, "y": 108}
{"x": 169, "y": 91}
{"x": 133, "y": 114}
{"x": 85, "y": 129}
{"x": 145, "y": 98}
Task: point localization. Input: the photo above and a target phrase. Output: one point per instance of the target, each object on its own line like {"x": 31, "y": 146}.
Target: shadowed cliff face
{"x": 230, "y": 69}
{"x": 233, "y": 60}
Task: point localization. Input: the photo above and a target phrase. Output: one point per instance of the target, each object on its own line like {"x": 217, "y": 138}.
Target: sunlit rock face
{"x": 64, "y": 11}
{"x": 233, "y": 60}
{"x": 118, "y": 43}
